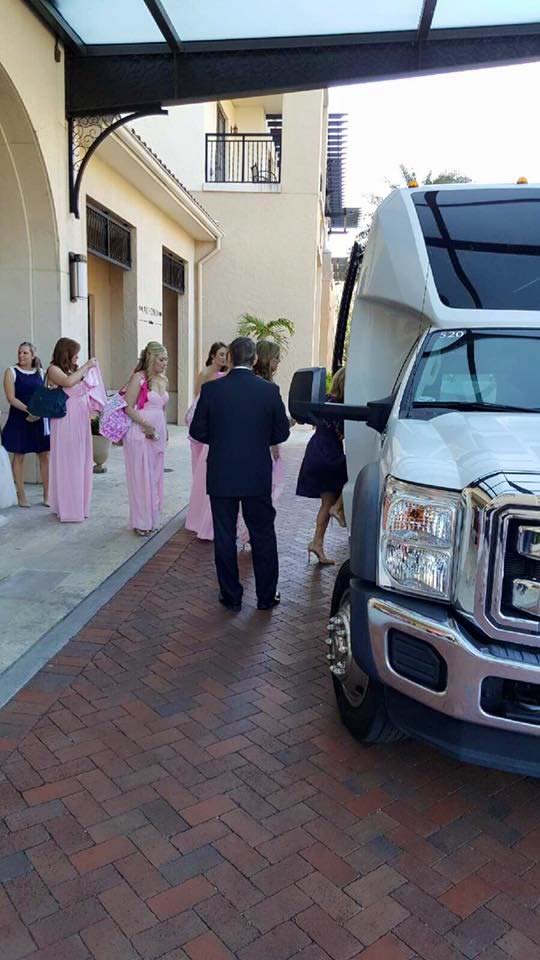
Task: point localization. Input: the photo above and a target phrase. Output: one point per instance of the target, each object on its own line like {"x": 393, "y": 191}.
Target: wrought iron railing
{"x": 108, "y": 238}
{"x": 243, "y": 157}
{"x": 173, "y": 272}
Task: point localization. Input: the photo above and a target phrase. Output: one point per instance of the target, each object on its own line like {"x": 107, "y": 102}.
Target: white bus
{"x": 435, "y": 621}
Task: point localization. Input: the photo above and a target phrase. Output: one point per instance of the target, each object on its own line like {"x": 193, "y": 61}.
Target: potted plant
{"x": 258, "y": 329}
{"x": 101, "y": 446}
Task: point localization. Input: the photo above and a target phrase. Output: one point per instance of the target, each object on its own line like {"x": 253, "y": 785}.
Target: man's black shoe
{"x": 269, "y": 606}
{"x": 233, "y": 607}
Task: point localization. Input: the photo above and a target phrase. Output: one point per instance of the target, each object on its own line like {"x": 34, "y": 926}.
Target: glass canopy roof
{"x": 106, "y": 22}
{"x": 478, "y": 13}
{"x": 143, "y": 55}
{"x": 103, "y": 21}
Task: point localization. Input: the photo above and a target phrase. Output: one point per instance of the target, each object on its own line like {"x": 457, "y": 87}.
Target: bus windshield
{"x": 486, "y": 369}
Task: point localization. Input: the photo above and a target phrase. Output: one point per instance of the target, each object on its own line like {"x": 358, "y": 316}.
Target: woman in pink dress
{"x": 144, "y": 443}
{"x": 199, "y": 515}
{"x": 268, "y": 359}
{"x": 70, "y": 474}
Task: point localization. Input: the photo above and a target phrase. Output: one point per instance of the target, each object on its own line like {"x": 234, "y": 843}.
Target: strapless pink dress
{"x": 145, "y": 463}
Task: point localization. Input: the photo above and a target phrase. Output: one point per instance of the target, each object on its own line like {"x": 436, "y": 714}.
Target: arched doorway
{"x": 30, "y": 298}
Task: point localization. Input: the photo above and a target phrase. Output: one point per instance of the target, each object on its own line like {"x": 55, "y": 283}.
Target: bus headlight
{"x": 417, "y": 539}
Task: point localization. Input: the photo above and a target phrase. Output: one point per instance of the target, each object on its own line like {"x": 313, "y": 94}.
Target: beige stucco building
{"x": 143, "y": 220}
{"x": 258, "y": 166}
{"x": 177, "y": 244}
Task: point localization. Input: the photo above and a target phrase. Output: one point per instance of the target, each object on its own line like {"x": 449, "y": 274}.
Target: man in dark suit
{"x": 240, "y": 417}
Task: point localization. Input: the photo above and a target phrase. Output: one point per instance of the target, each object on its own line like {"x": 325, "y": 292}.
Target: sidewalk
{"x": 47, "y": 568}
{"x": 175, "y": 784}
{"x": 53, "y": 576}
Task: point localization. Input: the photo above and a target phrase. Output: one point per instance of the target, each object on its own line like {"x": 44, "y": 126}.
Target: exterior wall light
{"x": 78, "y": 277}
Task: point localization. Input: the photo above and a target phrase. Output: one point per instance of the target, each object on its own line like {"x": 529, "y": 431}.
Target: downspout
{"x": 200, "y": 264}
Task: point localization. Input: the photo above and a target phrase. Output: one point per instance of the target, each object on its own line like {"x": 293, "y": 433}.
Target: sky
{"x": 483, "y": 123}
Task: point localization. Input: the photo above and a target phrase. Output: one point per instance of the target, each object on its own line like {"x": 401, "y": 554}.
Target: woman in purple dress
{"x": 23, "y": 434}
{"x": 323, "y": 473}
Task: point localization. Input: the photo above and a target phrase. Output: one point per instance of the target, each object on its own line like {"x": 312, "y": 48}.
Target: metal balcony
{"x": 243, "y": 157}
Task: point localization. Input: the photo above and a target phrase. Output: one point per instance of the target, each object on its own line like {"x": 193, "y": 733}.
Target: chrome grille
{"x": 510, "y": 567}
{"x": 520, "y": 569}
{"x": 496, "y": 585}
{"x": 516, "y": 507}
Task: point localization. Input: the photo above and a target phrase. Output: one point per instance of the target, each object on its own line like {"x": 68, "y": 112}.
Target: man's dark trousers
{"x": 241, "y": 417}
{"x": 259, "y": 515}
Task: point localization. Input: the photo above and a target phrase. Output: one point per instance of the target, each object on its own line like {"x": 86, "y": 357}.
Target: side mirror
{"x": 308, "y": 387}
{"x": 307, "y": 403}
{"x": 379, "y": 412}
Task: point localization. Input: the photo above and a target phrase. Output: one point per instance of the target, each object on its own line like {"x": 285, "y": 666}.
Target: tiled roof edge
{"x": 170, "y": 174}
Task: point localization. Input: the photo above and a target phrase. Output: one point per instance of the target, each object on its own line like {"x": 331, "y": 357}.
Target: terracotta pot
{"x": 101, "y": 449}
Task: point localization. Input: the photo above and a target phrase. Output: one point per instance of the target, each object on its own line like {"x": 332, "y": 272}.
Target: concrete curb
{"x": 22, "y": 670}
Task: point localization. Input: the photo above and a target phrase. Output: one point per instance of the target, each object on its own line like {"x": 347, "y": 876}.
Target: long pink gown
{"x": 145, "y": 461}
{"x": 199, "y": 514}
{"x": 278, "y": 485}
{"x": 71, "y": 460}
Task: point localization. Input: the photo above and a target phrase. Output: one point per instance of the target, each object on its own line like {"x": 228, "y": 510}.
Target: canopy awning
{"x": 133, "y": 54}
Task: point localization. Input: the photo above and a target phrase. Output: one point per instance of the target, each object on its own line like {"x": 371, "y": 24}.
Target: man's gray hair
{"x": 243, "y": 352}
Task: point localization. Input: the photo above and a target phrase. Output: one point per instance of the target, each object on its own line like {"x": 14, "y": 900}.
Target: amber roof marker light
{"x": 522, "y": 180}
{"x": 413, "y": 182}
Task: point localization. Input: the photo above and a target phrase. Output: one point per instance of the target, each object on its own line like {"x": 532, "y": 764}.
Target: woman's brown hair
{"x": 267, "y": 351}
{"x": 63, "y": 353}
{"x": 218, "y": 345}
{"x": 36, "y": 362}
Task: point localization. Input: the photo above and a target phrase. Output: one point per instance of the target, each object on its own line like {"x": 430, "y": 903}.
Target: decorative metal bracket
{"x": 84, "y": 137}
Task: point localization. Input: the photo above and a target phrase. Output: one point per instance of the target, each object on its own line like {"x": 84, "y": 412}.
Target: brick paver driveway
{"x": 176, "y": 784}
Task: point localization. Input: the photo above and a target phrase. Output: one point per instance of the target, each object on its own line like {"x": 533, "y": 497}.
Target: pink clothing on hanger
{"x": 96, "y": 389}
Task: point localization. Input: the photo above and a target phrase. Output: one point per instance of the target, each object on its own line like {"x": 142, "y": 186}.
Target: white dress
{"x": 8, "y": 494}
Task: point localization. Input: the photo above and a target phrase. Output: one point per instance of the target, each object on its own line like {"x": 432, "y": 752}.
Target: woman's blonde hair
{"x": 267, "y": 351}
{"x": 147, "y": 357}
{"x": 337, "y": 387}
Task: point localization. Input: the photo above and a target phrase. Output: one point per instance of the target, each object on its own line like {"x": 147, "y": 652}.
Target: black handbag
{"x": 48, "y": 403}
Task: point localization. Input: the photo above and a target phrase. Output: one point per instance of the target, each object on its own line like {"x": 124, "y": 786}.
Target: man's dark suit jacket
{"x": 240, "y": 417}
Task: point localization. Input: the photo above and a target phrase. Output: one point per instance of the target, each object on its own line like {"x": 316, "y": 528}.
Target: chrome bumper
{"x": 467, "y": 666}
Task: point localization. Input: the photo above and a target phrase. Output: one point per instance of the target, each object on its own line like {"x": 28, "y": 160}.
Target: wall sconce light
{"x": 78, "y": 277}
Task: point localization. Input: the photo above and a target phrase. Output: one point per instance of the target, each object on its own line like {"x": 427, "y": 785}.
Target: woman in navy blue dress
{"x": 323, "y": 473}
{"x": 23, "y": 434}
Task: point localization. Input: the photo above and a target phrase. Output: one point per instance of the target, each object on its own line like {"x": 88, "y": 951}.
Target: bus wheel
{"x": 360, "y": 700}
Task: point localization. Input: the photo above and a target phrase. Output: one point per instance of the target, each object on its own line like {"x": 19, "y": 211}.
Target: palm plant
{"x": 258, "y": 329}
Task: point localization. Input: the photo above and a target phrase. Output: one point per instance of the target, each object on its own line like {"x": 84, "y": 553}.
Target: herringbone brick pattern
{"x": 175, "y": 784}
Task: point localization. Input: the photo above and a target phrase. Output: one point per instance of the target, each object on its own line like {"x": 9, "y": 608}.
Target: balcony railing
{"x": 243, "y": 158}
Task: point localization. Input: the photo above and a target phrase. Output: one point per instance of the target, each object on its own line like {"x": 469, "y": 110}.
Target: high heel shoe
{"x": 338, "y": 515}
{"x": 319, "y": 553}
